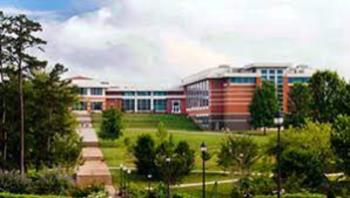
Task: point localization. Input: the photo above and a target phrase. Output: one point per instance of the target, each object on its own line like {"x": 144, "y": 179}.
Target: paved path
{"x": 94, "y": 169}
{"x": 227, "y": 181}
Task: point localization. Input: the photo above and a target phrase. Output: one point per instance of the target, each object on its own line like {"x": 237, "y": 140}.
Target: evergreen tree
{"x": 299, "y": 105}
{"x": 112, "y": 124}
{"x": 264, "y": 106}
{"x": 23, "y": 39}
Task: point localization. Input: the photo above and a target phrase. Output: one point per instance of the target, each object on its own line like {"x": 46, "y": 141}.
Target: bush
{"x": 50, "y": 182}
{"x": 298, "y": 195}
{"x": 112, "y": 125}
{"x": 90, "y": 191}
{"x": 11, "y": 181}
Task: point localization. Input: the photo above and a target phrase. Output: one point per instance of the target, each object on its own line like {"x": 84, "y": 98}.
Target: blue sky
{"x": 64, "y": 8}
{"x": 161, "y": 41}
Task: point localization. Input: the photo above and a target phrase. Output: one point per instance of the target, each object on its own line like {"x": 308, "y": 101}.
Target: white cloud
{"x": 161, "y": 41}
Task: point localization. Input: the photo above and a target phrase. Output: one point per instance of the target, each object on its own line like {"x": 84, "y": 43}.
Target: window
{"x": 298, "y": 80}
{"x": 197, "y": 94}
{"x": 280, "y": 71}
{"x": 96, "y": 106}
{"x": 80, "y": 106}
{"x": 271, "y": 71}
{"x": 96, "y": 91}
{"x": 264, "y": 71}
{"x": 159, "y": 93}
{"x": 83, "y": 91}
{"x": 128, "y": 93}
{"x": 144, "y": 105}
{"x": 128, "y": 105}
{"x": 240, "y": 80}
{"x": 280, "y": 80}
{"x": 159, "y": 105}
{"x": 143, "y": 93}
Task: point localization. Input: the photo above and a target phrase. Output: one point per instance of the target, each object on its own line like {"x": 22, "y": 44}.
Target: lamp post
{"x": 149, "y": 177}
{"x": 121, "y": 178}
{"x": 278, "y": 121}
{"x": 241, "y": 158}
{"x": 204, "y": 149}
{"x": 127, "y": 182}
{"x": 168, "y": 160}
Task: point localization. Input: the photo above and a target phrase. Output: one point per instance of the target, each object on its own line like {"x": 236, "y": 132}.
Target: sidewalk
{"x": 94, "y": 169}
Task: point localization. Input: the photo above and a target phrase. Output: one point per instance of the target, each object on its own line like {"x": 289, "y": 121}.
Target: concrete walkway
{"x": 93, "y": 170}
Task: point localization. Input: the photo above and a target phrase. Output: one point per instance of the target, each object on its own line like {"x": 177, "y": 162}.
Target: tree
{"x": 4, "y": 58}
{"x": 112, "y": 124}
{"x": 340, "y": 140}
{"x": 150, "y": 158}
{"x": 264, "y": 106}
{"x": 238, "y": 153}
{"x": 327, "y": 89}
{"x": 144, "y": 153}
{"x": 181, "y": 164}
{"x": 299, "y": 102}
{"x": 162, "y": 132}
{"x": 23, "y": 38}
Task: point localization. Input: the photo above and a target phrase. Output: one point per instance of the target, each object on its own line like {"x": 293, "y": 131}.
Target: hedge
{"x": 297, "y": 195}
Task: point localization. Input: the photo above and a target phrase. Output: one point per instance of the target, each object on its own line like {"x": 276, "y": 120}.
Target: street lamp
{"x": 278, "y": 121}
{"x": 149, "y": 177}
{"x": 203, "y": 150}
{"x": 168, "y": 160}
{"x": 127, "y": 181}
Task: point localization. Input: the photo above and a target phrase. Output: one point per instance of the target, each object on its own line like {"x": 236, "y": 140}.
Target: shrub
{"x": 89, "y": 191}
{"x": 50, "y": 182}
{"x": 11, "y": 181}
{"x": 144, "y": 152}
{"x": 112, "y": 125}
{"x": 10, "y": 195}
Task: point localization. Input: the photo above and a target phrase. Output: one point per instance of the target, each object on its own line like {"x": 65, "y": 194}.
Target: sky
{"x": 158, "y": 42}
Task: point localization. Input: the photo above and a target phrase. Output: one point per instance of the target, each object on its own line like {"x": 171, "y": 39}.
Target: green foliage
{"x": 10, "y": 195}
{"x": 43, "y": 121}
{"x": 144, "y": 153}
{"x": 112, "y": 124}
{"x": 264, "y": 106}
{"x": 49, "y": 182}
{"x": 327, "y": 92}
{"x": 253, "y": 186}
{"x": 12, "y": 182}
{"x": 340, "y": 140}
{"x": 162, "y": 132}
{"x": 182, "y": 160}
{"x": 297, "y": 195}
{"x": 306, "y": 154}
{"x": 238, "y": 152}
{"x": 305, "y": 165}
{"x": 92, "y": 191}
{"x": 299, "y": 105}
{"x": 150, "y": 158}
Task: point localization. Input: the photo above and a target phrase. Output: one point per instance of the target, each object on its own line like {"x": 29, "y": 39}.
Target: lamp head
{"x": 203, "y": 147}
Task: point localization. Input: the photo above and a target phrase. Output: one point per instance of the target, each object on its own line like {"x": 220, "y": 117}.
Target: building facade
{"x": 216, "y": 98}
{"x": 219, "y": 98}
{"x": 98, "y": 96}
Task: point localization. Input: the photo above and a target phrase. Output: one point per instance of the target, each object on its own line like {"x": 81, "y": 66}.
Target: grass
{"x": 181, "y": 128}
{"x": 150, "y": 121}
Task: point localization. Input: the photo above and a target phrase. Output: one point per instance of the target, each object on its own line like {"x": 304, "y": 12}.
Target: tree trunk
{"x": 264, "y": 130}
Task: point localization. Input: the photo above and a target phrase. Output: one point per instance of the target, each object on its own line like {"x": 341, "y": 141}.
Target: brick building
{"x": 219, "y": 98}
{"x": 216, "y": 98}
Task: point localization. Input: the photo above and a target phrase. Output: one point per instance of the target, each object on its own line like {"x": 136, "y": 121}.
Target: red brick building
{"x": 216, "y": 99}
{"x": 219, "y": 98}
